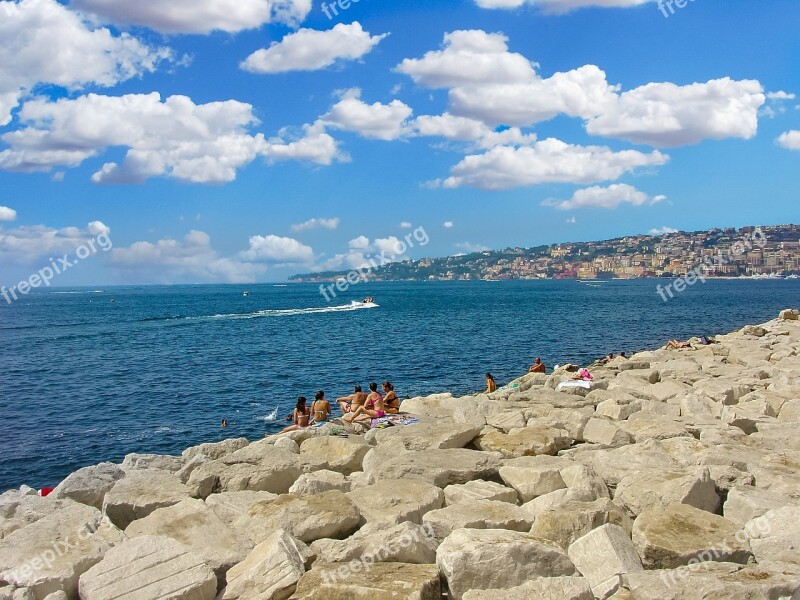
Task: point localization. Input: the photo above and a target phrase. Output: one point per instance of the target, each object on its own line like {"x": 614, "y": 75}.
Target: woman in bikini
{"x": 390, "y": 399}
{"x": 491, "y": 386}
{"x": 300, "y": 416}
{"x": 320, "y": 409}
{"x": 373, "y": 408}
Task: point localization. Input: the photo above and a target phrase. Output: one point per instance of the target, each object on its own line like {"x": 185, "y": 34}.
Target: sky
{"x": 240, "y": 141}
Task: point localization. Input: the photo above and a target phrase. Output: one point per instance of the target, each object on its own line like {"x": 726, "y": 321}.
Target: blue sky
{"x": 246, "y": 140}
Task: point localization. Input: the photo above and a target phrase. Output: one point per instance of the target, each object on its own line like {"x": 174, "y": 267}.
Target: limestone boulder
{"x": 89, "y": 485}
{"x": 721, "y": 391}
{"x": 616, "y": 410}
{"x": 471, "y": 491}
{"x": 745, "y": 503}
{"x": 144, "y": 462}
{"x": 789, "y": 315}
{"x": 382, "y": 581}
{"x": 427, "y": 436}
{"x": 342, "y": 455}
{"x": 603, "y": 556}
{"x": 193, "y": 523}
{"x": 775, "y": 535}
{"x": 614, "y": 465}
{"x": 482, "y": 559}
{"x": 439, "y": 467}
{"x": 582, "y": 477}
{"x": 533, "y": 476}
{"x": 140, "y": 493}
{"x": 479, "y": 514}
{"x": 320, "y": 481}
{"x": 258, "y": 467}
{"x": 288, "y": 444}
{"x": 146, "y": 568}
{"x": 645, "y": 427}
{"x": 20, "y": 510}
{"x": 397, "y": 501}
{"x": 215, "y": 451}
{"x": 657, "y": 489}
{"x": 606, "y": 433}
{"x": 550, "y": 588}
{"x": 381, "y": 541}
{"x": 555, "y": 500}
{"x": 308, "y": 518}
{"x": 270, "y": 572}
{"x": 525, "y": 441}
{"x": 573, "y": 520}
{"x": 231, "y": 506}
{"x": 713, "y": 581}
{"x": 670, "y": 538}
{"x": 52, "y": 553}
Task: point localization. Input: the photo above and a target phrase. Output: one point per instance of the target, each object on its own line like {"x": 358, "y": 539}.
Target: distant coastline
{"x": 754, "y": 252}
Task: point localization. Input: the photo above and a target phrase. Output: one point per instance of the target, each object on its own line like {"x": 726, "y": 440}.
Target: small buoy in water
{"x": 224, "y": 423}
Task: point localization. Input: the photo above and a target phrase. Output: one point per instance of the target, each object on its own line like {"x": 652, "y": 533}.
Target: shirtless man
{"x": 538, "y": 367}
{"x": 353, "y": 401}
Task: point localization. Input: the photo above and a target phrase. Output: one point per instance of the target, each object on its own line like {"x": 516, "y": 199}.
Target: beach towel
{"x": 575, "y": 384}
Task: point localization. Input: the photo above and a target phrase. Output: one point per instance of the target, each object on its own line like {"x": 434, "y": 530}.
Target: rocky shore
{"x": 674, "y": 474}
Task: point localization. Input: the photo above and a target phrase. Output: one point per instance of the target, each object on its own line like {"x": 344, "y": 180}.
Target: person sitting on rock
{"x": 538, "y": 366}
{"x": 353, "y": 401}
{"x": 320, "y": 408}
{"x": 390, "y": 400}
{"x": 374, "y": 408}
{"x": 491, "y": 386}
{"x": 300, "y": 416}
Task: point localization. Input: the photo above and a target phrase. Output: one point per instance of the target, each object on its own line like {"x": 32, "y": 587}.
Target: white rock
{"x": 308, "y": 518}
{"x": 572, "y": 520}
{"x": 140, "y": 493}
{"x": 270, "y": 572}
{"x": 397, "y": 501}
{"x": 192, "y": 523}
{"x": 320, "y": 481}
{"x": 481, "y": 559}
{"x": 479, "y": 514}
{"x": 745, "y": 503}
{"x": 216, "y": 450}
{"x": 342, "y": 455}
{"x": 532, "y": 478}
{"x": 478, "y": 490}
{"x": 381, "y": 542}
{"x": 550, "y": 588}
{"x": 143, "y": 462}
{"x": 428, "y": 436}
{"x": 231, "y": 506}
{"x": 146, "y": 568}
{"x": 605, "y": 433}
{"x": 89, "y": 485}
{"x": 670, "y": 538}
{"x": 602, "y": 556}
{"x": 381, "y": 581}
{"x": 657, "y": 489}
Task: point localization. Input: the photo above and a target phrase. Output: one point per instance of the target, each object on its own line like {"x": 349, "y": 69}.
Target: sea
{"x": 90, "y": 375}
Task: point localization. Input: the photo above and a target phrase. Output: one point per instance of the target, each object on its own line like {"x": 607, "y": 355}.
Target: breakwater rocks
{"x": 674, "y": 474}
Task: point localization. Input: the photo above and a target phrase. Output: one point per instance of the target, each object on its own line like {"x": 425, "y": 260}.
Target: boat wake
{"x": 271, "y": 417}
{"x": 295, "y": 311}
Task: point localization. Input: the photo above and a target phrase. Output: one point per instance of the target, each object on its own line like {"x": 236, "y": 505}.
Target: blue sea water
{"x": 84, "y": 379}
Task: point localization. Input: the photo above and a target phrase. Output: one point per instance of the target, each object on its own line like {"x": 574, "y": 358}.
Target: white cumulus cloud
{"x": 197, "y": 16}
{"x": 42, "y": 42}
{"x": 190, "y": 260}
{"x": 560, "y": 6}
{"x": 7, "y": 214}
{"x": 547, "y": 161}
{"x": 790, "y": 140}
{"x": 311, "y": 50}
{"x": 278, "y": 250}
{"x": 609, "y": 198}
{"x": 663, "y": 231}
{"x": 29, "y": 243}
{"x": 316, "y": 224}
{"x": 378, "y": 121}
{"x": 177, "y": 138}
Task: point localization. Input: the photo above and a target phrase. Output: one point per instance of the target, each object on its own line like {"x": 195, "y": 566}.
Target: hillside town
{"x": 758, "y": 252}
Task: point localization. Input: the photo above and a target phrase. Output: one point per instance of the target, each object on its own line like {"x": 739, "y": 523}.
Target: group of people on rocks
{"x": 358, "y": 407}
